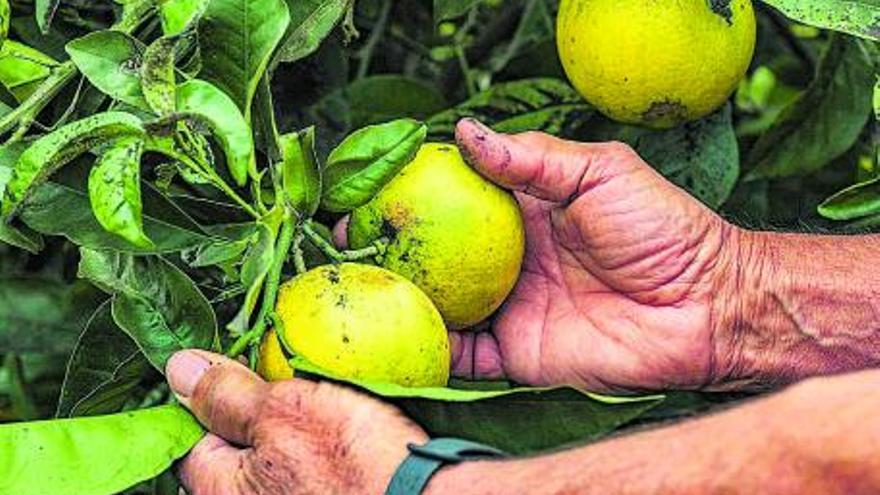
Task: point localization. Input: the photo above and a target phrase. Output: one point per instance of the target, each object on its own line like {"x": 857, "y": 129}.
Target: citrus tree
{"x": 166, "y": 165}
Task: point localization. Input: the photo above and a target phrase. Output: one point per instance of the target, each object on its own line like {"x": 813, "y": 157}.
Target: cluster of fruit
{"x": 454, "y": 245}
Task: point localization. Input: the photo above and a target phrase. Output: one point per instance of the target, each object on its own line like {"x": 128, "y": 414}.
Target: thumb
{"x": 541, "y": 165}
{"x": 223, "y": 394}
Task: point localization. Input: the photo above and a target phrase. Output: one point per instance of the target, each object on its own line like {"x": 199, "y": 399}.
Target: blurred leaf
{"x": 537, "y": 24}
{"x": 367, "y": 160}
{"x": 207, "y": 104}
{"x": 154, "y": 302}
{"x": 301, "y": 172}
{"x": 701, "y": 156}
{"x": 53, "y": 151}
{"x": 547, "y": 105}
{"x": 311, "y": 22}
{"x": 44, "y": 12}
{"x": 104, "y": 367}
{"x": 42, "y": 315}
{"x": 517, "y": 420}
{"x": 377, "y": 99}
{"x": 825, "y": 121}
{"x": 120, "y": 451}
{"x": 858, "y": 201}
{"x": 856, "y": 17}
{"x": 445, "y": 10}
{"x": 115, "y": 191}
{"x": 111, "y": 61}
{"x": 157, "y": 76}
{"x": 236, "y": 39}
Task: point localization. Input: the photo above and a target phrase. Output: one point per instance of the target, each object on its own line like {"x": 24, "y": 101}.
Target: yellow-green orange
{"x": 366, "y": 323}
{"x": 273, "y": 364}
{"x": 456, "y": 235}
{"x": 656, "y": 63}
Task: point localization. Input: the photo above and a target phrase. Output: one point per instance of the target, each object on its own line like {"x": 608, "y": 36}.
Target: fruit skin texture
{"x": 365, "y": 323}
{"x": 656, "y": 63}
{"x": 273, "y": 365}
{"x": 456, "y": 235}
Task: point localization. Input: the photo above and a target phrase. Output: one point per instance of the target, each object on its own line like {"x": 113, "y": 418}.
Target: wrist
{"x": 741, "y": 278}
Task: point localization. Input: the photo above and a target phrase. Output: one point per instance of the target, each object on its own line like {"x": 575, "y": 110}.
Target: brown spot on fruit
{"x": 665, "y": 111}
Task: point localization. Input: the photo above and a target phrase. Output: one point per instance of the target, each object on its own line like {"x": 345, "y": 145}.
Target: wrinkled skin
{"x": 620, "y": 275}
{"x": 292, "y": 437}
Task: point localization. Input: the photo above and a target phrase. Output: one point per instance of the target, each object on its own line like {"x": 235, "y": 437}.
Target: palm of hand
{"x": 615, "y": 292}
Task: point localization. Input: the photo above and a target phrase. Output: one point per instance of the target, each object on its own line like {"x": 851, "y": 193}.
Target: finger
{"x": 476, "y": 356}
{"x": 223, "y": 394}
{"x": 340, "y": 233}
{"x": 539, "y": 164}
{"x": 210, "y": 467}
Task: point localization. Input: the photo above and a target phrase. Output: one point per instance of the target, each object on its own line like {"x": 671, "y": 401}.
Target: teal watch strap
{"x": 424, "y": 461}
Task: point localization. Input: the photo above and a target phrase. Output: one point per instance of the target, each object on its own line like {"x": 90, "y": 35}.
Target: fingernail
{"x": 184, "y": 370}
{"x": 479, "y": 125}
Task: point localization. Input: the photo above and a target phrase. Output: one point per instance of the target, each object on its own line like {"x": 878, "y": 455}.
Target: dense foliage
{"x": 166, "y": 162}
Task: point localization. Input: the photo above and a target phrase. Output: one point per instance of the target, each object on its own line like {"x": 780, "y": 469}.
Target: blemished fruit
{"x": 366, "y": 323}
{"x": 273, "y": 364}
{"x": 456, "y": 235}
{"x": 656, "y": 63}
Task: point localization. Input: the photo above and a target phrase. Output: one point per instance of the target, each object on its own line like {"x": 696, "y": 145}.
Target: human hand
{"x": 291, "y": 437}
{"x": 625, "y": 274}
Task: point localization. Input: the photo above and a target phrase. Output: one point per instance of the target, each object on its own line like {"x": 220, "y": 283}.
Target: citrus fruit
{"x": 273, "y": 364}
{"x": 456, "y": 235}
{"x": 366, "y": 323}
{"x": 656, "y": 63}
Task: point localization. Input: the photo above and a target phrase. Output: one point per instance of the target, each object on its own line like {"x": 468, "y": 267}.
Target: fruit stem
{"x": 377, "y": 249}
{"x": 273, "y": 280}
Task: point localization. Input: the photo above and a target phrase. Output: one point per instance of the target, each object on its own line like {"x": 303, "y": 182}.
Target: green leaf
{"x": 111, "y": 61}
{"x": 255, "y": 267}
{"x": 311, "y": 22}
{"x": 115, "y": 191}
{"x": 542, "y": 104}
{"x": 24, "y": 239}
{"x": 58, "y": 148}
{"x": 517, "y": 420}
{"x": 377, "y": 99}
{"x": 43, "y": 315}
{"x": 701, "y": 157}
{"x": 60, "y": 209}
{"x": 154, "y": 302}
{"x": 445, "y": 10}
{"x": 300, "y": 171}
{"x": 825, "y": 121}
{"x": 856, "y": 17}
{"x": 22, "y": 68}
{"x": 858, "y": 201}
{"x": 237, "y": 39}
{"x": 157, "y": 76}
{"x": 367, "y": 160}
{"x": 104, "y": 367}
{"x": 204, "y": 102}
{"x": 222, "y": 250}
{"x": 177, "y": 15}
{"x": 44, "y": 12}
{"x": 94, "y": 456}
